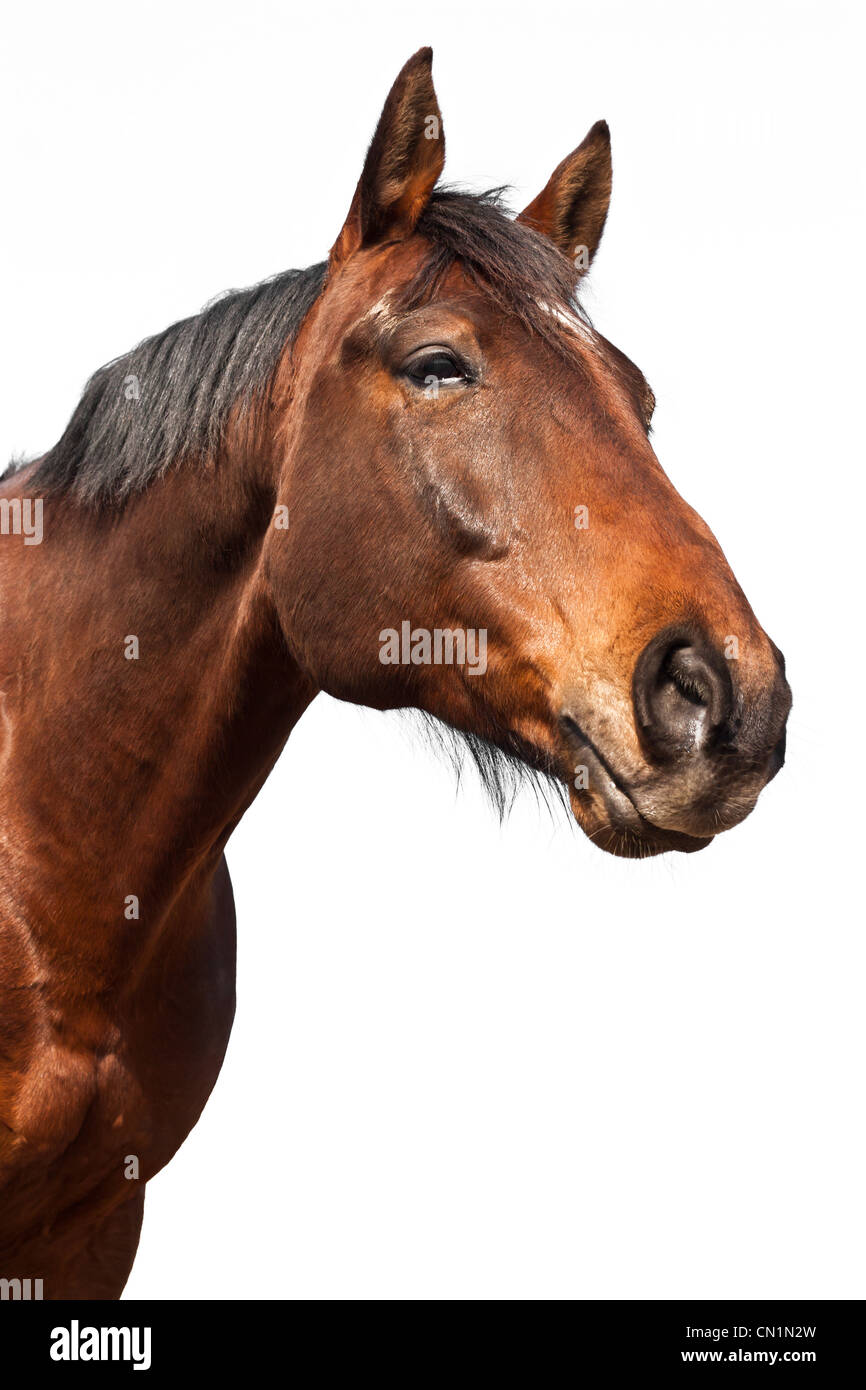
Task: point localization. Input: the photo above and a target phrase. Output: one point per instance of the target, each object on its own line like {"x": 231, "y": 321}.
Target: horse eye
{"x": 436, "y": 366}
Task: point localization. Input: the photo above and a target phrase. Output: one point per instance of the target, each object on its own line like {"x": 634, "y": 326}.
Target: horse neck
{"x": 134, "y": 759}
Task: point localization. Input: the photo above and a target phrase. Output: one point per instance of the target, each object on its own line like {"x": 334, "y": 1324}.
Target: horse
{"x": 414, "y": 476}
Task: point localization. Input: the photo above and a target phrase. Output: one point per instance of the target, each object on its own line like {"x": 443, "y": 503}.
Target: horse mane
{"x": 170, "y": 397}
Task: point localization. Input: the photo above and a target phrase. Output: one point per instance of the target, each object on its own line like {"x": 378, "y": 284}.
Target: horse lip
{"x": 618, "y": 800}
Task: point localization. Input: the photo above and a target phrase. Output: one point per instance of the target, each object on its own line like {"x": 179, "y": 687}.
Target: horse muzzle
{"x": 709, "y": 738}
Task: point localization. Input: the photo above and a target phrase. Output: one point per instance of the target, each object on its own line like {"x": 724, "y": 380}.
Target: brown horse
{"x": 413, "y": 477}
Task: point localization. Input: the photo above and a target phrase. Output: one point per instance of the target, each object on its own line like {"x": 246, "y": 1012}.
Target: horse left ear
{"x": 405, "y": 158}
{"x": 571, "y": 209}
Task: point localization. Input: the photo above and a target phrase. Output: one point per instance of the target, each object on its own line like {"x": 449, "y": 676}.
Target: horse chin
{"x": 629, "y": 835}
{"x": 607, "y": 813}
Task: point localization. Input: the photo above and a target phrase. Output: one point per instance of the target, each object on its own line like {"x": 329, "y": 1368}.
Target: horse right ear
{"x": 405, "y": 158}
{"x": 572, "y": 207}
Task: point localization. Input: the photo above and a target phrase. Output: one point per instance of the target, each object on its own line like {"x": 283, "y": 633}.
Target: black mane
{"x": 170, "y": 397}
{"x": 172, "y": 394}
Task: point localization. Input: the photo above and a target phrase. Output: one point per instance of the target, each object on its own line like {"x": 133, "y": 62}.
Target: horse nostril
{"x": 682, "y": 693}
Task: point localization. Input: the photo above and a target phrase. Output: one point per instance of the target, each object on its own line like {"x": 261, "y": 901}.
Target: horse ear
{"x": 572, "y": 208}
{"x": 404, "y": 161}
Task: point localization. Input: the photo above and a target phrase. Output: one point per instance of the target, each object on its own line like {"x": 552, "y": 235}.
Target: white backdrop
{"x": 471, "y": 1061}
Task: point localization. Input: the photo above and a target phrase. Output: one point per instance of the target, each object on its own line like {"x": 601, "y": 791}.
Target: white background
{"x": 472, "y": 1061}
